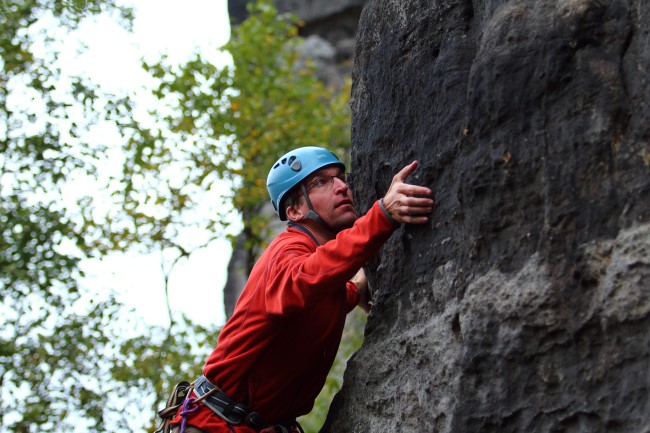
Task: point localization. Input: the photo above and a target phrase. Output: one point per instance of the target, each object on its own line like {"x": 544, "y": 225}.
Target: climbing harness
{"x": 230, "y": 411}
{"x": 237, "y": 413}
{"x": 218, "y": 402}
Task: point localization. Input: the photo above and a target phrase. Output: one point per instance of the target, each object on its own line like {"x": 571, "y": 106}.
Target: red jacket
{"x": 275, "y": 352}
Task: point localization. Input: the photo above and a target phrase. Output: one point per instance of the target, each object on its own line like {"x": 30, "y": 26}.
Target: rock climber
{"x": 273, "y": 355}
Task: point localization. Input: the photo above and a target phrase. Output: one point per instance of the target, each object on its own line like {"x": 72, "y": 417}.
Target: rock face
{"x": 524, "y": 306}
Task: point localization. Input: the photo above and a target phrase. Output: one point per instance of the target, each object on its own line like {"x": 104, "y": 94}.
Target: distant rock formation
{"x": 334, "y": 20}
{"x": 524, "y": 306}
{"x": 329, "y": 22}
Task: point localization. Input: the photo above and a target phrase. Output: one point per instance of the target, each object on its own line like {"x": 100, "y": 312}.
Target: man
{"x": 274, "y": 354}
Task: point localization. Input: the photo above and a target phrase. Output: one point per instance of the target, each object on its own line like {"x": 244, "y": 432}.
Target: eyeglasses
{"x": 326, "y": 181}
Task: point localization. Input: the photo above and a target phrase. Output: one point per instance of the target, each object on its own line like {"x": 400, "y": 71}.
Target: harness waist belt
{"x": 225, "y": 407}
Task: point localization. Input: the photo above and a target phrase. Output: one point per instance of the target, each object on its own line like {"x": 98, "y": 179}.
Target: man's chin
{"x": 346, "y": 221}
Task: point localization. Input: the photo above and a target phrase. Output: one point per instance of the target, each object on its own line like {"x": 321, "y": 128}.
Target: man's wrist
{"x": 392, "y": 220}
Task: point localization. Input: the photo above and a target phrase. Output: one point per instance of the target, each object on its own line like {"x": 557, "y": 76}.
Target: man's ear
{"x": 295, "y": 213}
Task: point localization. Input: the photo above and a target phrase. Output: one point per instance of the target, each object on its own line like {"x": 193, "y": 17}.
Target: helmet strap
{"x": 312, "y": 215}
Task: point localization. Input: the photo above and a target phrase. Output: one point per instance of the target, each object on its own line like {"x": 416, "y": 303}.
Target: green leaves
{"x": 238, "y": 120}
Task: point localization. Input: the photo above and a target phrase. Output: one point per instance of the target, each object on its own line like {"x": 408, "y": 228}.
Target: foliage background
{"x": 70, "y": 359}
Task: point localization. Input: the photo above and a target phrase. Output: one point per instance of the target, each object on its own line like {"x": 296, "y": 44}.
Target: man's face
{"x": 331, "y": 198}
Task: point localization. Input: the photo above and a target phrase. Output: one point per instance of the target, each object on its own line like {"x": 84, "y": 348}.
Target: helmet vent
{"x": 295, "y": 164}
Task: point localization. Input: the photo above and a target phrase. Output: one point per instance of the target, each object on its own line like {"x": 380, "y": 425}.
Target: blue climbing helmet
{"x": 292, "y": 168}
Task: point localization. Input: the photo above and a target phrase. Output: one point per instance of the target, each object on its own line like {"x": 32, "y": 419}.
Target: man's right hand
{"x": 365, "y": 297}
{"x": 408, "y": 203}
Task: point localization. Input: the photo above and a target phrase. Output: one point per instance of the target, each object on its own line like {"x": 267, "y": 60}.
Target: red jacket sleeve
{"x": 300, "y": 276}
{"x": 352, "y": 295}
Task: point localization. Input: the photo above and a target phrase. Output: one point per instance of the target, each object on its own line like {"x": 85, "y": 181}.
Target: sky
{"x": 176, "y": 29}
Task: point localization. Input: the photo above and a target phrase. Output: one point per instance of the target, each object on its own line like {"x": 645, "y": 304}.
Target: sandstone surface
{"x": 524, "y": 306}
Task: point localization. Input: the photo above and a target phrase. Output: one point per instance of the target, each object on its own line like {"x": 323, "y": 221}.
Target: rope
{"x": 187, "y": 409}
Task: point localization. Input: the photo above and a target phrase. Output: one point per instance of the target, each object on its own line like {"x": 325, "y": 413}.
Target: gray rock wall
{"x": 524, "y": 306}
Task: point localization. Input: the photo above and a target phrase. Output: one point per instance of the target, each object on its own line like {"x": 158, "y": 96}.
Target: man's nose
{"x": 340, "y": 185}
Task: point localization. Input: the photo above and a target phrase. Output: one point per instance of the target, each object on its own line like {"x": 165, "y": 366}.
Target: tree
{"x": 65, "y": 361}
